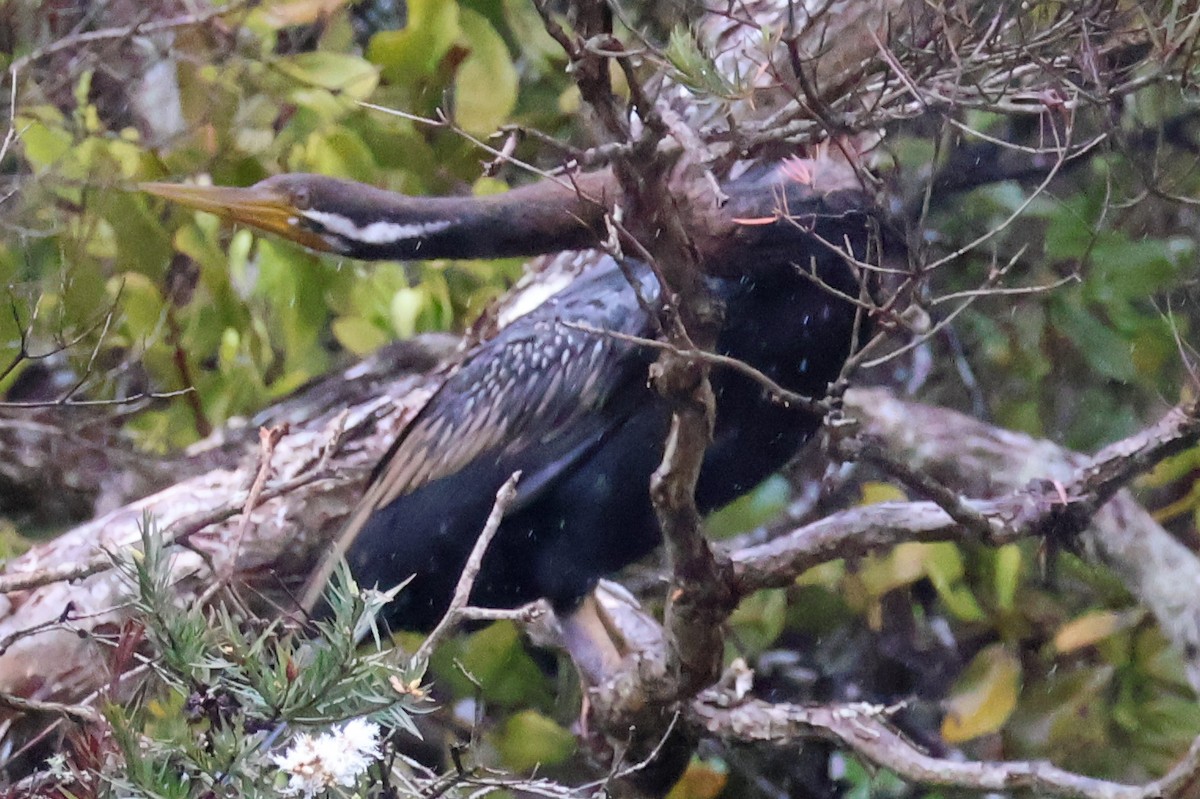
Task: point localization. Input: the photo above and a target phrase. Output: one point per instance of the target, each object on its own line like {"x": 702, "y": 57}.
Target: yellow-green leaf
{"x": 530, "y": 739}
{"x": 43, "y": 145}
{"x": 499, "y": 661}
{"x": 287, "y": 13}
{"x": 326, "y": 105}
{"x": 875, "y": 492}
{"x": 337, "y": 152}
{"x": 348, "y": 74}
{"x": 1092, "y": 628}
{"x": 406, "y": 310}
{"x": 485, "y": 88}
{"x": 984, "y": 697}
{"x": 1006, "y": 575}
{"x": 358, "y": 335}
{"x": 909, "y": 562}
{"x": 944, "y": 566}
{"x": 408, "y": 55}
{"x": 141, "y": 302}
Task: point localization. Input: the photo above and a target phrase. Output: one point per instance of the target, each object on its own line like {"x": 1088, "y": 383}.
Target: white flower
{"x": 338, "y": 757}
{"x": 362, "y": 736}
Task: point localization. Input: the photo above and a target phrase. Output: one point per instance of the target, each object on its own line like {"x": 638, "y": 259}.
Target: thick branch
{"x": 1037, "y": 510}
{"x": 53, "y": 630}
{"x": 979, "y": 460}
{"x": 864, "y": 729}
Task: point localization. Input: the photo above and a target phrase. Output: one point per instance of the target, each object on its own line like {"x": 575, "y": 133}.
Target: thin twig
{"x": 268, "y": 439}
{"x": 856, "y": 448}
{"x": 80, "y": 714}
{"x": 466, "y": 580}
{"x": 780, "y": 395}
{"x": 141, "y": 28}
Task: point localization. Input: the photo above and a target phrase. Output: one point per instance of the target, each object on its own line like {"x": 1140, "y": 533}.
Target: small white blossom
{"x": 362, "y": 736}
{"x": 333, "y": 758}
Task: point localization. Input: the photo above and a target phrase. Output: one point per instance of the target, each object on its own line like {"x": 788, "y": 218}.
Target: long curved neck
{"x": 544, "y": 217}
{"x": 768, "y": 213}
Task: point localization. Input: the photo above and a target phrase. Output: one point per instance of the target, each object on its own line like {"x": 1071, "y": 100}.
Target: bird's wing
{"x": 537, "y": 395}
{"x": 530, "y": 386}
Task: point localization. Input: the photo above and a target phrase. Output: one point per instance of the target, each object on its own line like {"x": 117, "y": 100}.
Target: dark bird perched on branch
{"x": 554, "y": 395}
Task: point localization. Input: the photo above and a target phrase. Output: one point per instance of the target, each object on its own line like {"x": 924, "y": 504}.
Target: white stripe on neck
{"x": 381, "y": 232}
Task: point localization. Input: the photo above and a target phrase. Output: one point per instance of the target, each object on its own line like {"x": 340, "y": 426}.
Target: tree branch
{"x": 456, "y": 613}
{"x": 979, "y": 460}
{"x": 1043, "y": 508}
{"x": 864, "y": 730}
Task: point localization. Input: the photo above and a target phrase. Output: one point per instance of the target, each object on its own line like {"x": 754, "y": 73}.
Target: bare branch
{"x": 141, "y": 28}
{"x": 1037, "y": 510}
{"x": 80, "y": 714}
{"x": 778, "y": 393}
{"x": 466, "y": 580}
{"x": 864, "y": 730}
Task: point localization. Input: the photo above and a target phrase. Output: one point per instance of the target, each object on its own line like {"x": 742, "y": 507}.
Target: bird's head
{"x": 322, "y": 213}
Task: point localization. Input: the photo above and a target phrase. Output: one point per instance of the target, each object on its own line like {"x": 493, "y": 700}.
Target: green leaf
{"x": 750, "y": 510}
{"x": 1068, "y": 235}
{"x": 358, "y": 335}
{"x": 1105, "y": 350}
{"x": 338, "y": 151}
{"x": 538, "y": 48}
{"x": 485, "y": 88}
{"x": 346, "y": 74}
{"x": 291, "y": 286}
{"x": 759, "y": 620}
{"x": 497, "y": 658}
{"x": 141, "y": 302}
{"x": 138, "y": 234}
{"x": 944, "y": 566}
{"x": 1133, "y": 269}
{"x": 323, "y": 104}
{"x": 984, "y": 697}
{"x": 530, "y": 740}
{"x": 411, "y": 55}
{"x": 1006, "y": 575}
{"x": 961, "y": 602}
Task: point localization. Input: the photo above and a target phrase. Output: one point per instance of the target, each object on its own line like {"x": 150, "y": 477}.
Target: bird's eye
{"x": 301, "y": 198}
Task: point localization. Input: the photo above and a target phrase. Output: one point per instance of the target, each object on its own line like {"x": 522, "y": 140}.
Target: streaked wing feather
{"x": 512, "y": 391}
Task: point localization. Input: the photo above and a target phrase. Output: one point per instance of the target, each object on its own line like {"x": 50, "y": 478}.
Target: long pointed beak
{"x": 263, "y": 208}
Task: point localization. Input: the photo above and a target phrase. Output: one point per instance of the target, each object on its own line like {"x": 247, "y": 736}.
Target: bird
{"x": 561, "y": 393}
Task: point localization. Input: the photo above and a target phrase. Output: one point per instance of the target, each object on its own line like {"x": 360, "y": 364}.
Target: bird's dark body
{"x": 581, "y": 423}
{"x": 569, "y": 408}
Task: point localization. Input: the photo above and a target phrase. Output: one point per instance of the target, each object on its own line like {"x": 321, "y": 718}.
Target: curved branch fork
{"x": 979, "y": 460}
{"x": 1074, "y": 495}
{"x": 864, "y": 729}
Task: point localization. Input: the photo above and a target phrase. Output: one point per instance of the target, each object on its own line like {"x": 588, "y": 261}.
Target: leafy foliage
{"x": 239, "y": 320}
{"x": 225, "y": 689}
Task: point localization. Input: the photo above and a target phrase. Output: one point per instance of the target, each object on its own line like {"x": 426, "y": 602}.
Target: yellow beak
{"x": 267, "y": 209}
